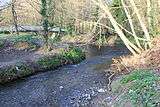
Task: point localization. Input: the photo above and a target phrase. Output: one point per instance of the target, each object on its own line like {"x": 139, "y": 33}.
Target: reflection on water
{"x": 93, "y": 50}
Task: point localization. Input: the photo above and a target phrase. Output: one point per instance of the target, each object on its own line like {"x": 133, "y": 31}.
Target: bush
{"x": 50, "y": 62}
{"x": 74, "y": 55}
{"x": 70, "y": 56}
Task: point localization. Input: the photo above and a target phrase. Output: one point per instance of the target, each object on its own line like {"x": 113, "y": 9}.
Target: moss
{"x": 24, "y": 70}
{"x": 9, "y": 72}
{"x": 15, "y": 71}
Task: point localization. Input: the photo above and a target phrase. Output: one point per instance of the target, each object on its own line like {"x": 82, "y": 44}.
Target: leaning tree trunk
{"x": 152, "y": 18}
{"x": 131, "y": 23}
{"x": 149, "y": 10}
{"x": 143, "y": 26}
{"x": 134, "y": 49}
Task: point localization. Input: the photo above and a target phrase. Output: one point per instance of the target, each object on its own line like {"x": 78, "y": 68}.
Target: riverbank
{"x": 20, "y": 58}
{"x": 105, "y": 40}
{"x": 84, "y": 84}
{"x": 137, "y": 79}
{"x": 80, "y": 85}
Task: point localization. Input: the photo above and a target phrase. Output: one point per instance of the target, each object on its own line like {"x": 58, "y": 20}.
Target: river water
{"x": 81, "y": 85}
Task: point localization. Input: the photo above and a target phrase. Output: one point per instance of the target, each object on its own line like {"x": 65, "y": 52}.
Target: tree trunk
{"x": 131, "y": 24}
{"x": 14, "y": 15}
{"x": 128, "y": 44}
{"x": 143, "y": 26}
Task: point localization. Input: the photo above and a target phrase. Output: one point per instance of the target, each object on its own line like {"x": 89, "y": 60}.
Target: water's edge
{"x": 81, "y": 85}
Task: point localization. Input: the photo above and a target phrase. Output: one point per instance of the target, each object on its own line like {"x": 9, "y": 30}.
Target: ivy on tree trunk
{"x": 45, "y": 22}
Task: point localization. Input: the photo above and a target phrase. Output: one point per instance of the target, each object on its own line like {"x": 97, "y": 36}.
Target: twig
{"x": 110, "y": 81}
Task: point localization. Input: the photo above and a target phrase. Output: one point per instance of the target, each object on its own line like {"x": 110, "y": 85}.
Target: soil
{"x": 10, "y": 54}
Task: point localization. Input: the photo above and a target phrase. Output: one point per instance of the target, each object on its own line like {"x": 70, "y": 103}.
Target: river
{"x": 81, "y": 85}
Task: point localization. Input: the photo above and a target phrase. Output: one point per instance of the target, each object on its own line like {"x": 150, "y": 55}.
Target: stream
{"x": 81, "y": 85}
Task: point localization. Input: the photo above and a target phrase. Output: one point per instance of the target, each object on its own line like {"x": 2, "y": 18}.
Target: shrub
{"x": 74, "y": 55}
{"x": 70, "y": 56}
{"x": 49, "y": 62}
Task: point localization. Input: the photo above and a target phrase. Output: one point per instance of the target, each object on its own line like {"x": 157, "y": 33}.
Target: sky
{"x": 3, "y": 2}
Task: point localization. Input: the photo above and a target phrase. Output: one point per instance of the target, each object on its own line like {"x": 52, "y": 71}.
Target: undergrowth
{"x": 141, "y": 89}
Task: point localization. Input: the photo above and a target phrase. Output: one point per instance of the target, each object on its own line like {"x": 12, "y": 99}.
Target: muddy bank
{"x": 20, "y": 61}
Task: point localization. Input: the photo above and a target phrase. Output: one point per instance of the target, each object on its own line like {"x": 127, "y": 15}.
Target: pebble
{"x": 17, "y": 68}
{"x": 101, "y": 90}
{"x": 108, "y": 99}
{"x": 61, "y": 87}
{"x": 86, "y": 96}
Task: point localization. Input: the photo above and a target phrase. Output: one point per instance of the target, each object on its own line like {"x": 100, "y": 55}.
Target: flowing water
{"x": 81, "y": 85}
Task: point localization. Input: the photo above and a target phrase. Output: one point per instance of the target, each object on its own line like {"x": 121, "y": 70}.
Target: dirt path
{"x": 10, "y": 55}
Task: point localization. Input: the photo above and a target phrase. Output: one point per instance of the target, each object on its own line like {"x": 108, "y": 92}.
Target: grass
{"x": 141, "y": 89}
{"x": 4, "y": 36}
{"x": 28, "y": 38}
{"x": 24, "y": 38}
